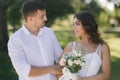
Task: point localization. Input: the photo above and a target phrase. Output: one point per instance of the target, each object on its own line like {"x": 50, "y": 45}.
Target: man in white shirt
{"x": 34, "y": 47}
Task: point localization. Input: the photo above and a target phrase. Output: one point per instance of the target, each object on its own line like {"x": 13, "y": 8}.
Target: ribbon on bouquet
{"x": 67, "y": 75}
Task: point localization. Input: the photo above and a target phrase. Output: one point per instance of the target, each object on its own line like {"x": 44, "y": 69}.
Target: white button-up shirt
{"x": 26, "y": 49}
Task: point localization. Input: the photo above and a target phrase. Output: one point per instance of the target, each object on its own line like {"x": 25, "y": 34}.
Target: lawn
{"x": 115, "y": 57}
{"x": 7, "y": 72}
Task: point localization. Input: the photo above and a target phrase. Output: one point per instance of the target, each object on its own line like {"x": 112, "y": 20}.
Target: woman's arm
{"x": 106, "y": 65}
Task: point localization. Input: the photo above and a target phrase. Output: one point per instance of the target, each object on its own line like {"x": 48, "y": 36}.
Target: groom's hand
{"x": 57, "y": 69}
{"x": 58, "y": 75}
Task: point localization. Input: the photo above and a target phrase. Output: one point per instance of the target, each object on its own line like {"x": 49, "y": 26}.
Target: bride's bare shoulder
{"x": 105, "y": 46}
{"x": 68, "y": 47}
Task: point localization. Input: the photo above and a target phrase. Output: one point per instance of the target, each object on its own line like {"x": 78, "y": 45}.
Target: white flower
{"x": 70, "y": 62}
{"x": 77, "y": 62}
{"x": 65, "y": 70}
{"x": 62, "y": 62}
{"x": 78, "y": 54}
{"x": 82, "y": 64}
{"x": 73, "y": 61}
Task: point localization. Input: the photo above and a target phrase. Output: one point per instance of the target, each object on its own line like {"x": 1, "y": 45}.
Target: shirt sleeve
{"x": 57, "y": 47}
{"x": 18, "y": 57}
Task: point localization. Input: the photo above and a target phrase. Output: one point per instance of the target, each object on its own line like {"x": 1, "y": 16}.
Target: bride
{"x": 97, "y": 51}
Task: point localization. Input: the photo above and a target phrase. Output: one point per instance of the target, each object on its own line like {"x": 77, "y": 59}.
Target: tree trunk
{"x": 3, "y": 30}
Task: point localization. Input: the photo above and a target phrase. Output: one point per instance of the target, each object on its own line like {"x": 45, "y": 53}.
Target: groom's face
{"x": 39, "y": 18}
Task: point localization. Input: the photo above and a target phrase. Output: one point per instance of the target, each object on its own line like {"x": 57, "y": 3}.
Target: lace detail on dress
{"x": 73, "y": 46}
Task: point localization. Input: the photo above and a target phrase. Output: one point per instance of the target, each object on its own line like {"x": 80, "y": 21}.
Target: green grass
{"x": 114, "y": 44}
{"x": 64, "y": 37}
{"x": 115, "y": 73}
{"x": 7, "y": 72}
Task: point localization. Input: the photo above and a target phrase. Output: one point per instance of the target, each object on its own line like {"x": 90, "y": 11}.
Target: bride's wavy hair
{"x": 90, "y": 26}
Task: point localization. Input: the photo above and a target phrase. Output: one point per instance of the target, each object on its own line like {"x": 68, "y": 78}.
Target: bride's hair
{"x": 90, "y": 26}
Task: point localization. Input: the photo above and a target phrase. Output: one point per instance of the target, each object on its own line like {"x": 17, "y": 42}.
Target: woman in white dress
{"x": 97, "y": 51}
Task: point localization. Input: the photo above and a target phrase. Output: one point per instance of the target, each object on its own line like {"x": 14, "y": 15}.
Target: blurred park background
{"x": 60, "y": 14}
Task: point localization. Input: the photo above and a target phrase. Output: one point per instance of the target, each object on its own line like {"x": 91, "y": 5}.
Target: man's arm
{"x": 35, "y": 71}
{"x": 21, "y": 64}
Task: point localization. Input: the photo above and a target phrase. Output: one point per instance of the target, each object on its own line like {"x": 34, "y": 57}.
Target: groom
{"x": 34, "y": 47}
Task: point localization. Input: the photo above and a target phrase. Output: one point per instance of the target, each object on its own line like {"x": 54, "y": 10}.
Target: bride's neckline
{"x": 91, "y": 53}
{"x": 90, "y": 48}
{"x": 80, "y": 48}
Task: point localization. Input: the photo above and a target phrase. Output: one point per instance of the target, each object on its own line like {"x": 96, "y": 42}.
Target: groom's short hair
{"x": 30, "y": 7}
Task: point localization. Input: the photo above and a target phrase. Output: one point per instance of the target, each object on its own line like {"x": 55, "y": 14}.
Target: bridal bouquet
{"x": 72, "y": 63}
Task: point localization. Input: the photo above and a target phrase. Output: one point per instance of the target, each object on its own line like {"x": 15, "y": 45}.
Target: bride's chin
{"x": 76, "y": 36}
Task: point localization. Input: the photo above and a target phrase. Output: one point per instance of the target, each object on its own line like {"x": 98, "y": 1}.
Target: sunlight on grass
{"x": 114, "y": 44}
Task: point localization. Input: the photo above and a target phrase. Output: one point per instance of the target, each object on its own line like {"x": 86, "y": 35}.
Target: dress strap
{"x": 98, "y": 50}
{"x": 74, "y": 46}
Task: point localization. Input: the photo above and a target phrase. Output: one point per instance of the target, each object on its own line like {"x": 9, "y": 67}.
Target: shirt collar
{"x": 26, "y": 30}
{"x": 40, "y": 31}
{"x": 29, "y": 33}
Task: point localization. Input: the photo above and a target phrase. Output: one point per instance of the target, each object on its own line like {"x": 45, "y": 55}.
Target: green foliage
{"x": 6, "y": 69}
{"x": 54, "y": 9}
{"x": 117, "y": 14}
{"x": 5, "y": 3}
{"x": 14, "y": 15}
{"x": 57, "y": 9}
{"x": 115, "y": 68}
{"x": 74, "y": 69}
{"x": 65, "y": 37}
{"x": 94, "y": 8}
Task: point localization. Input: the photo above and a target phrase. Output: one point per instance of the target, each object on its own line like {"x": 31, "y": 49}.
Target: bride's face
{"x": 78, "y": 28}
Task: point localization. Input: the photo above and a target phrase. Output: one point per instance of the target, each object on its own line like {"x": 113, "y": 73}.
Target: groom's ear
{"x": 30, "y": 19}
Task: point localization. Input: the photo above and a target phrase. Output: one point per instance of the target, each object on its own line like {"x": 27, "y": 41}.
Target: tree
{"x": 4, "y": 5}
{"x": 14, "y": 15}
{"x": 57, "y": 8}
{"x": 117, "y": 15}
